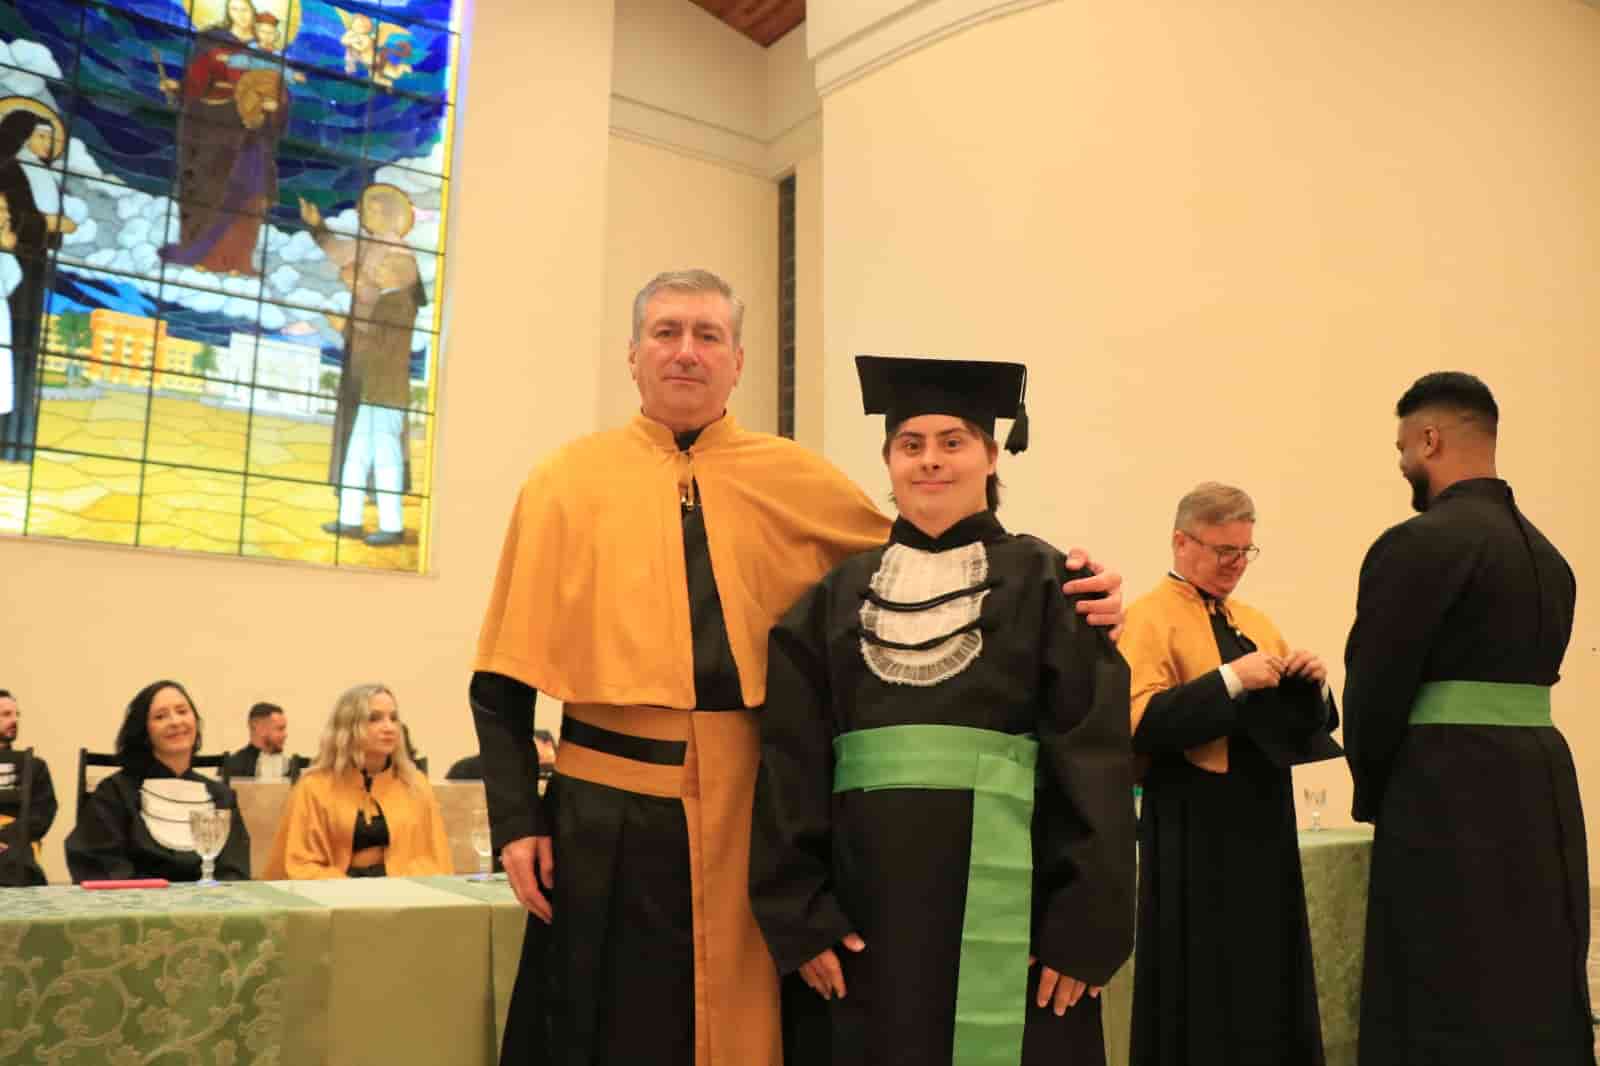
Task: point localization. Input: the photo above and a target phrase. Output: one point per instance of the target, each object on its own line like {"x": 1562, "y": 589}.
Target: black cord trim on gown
{"x": 922, "y": 645}
{"x": 923, "y": 605}
{"x": 623, "y": 746}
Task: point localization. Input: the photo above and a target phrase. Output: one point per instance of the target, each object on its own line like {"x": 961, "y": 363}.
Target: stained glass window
{"x": 221, "y": 254}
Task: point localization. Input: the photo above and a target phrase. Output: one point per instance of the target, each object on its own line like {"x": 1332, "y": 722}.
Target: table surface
{"x": 271, "y": 972}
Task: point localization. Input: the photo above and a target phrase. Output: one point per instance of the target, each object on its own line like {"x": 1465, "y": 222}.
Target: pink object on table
{"x": 139, "y": 882}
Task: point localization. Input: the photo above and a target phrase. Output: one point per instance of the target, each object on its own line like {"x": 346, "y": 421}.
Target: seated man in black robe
{"x": 27, "y": 802}
{"x": 1222, "y": 708}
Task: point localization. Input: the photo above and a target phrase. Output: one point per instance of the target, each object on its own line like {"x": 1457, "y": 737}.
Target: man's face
{"x": 1198, "y": 555}
{"x": 10, "y": 720}
{"x": 685, "y": 362}
{"x": 1412, "y": 441}
{"x": 271, "y": 733}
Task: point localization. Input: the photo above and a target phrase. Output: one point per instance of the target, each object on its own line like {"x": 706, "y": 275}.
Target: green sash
{"x": 998, "y": 768}
{"x": 1481, "y": 703}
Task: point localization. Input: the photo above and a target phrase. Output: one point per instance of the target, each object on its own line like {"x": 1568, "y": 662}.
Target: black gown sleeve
{"x": 99, "y": 848}
{"x": 791, "y": 850}
{"x": 1401, "y": 600}
{"x": 1084, "y": 847}
{"x": 41, "y": 802}
{"x": 502, "y": 714}
{"x": 1186, "y": 716}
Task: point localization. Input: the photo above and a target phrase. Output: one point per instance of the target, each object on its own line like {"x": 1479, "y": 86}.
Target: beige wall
{"x": 668, "y": 211}
{"x": 808, "y": 333}
{"x": 85, "y": 627}
{"x": 1225, "y": 239}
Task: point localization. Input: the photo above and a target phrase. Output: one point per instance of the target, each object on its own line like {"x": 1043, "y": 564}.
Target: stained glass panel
{"x": 221, "y": 253}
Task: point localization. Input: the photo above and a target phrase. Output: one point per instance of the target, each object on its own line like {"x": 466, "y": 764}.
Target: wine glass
{"x": 481, "y": 843}
{"x": 1315, "y": 798}
{"x": 210, "y": 829}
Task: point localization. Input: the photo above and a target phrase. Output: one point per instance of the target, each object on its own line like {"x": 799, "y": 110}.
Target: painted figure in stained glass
{"x": 233, "y": 115}
{"x": 10, "y": 277}
{"x": 32, "y": 136}
{"x": 379, "y": 49}
{"x": 370, "y": 433}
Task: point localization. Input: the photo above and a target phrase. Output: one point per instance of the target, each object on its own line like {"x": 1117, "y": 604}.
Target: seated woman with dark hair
{"x": 363, "y": 809}
{"x": 136, "y": 822}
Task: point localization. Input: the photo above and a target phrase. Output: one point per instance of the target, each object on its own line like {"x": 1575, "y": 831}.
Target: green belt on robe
{"x": 1481, "y": 703}
{"x": 998, "y": 769}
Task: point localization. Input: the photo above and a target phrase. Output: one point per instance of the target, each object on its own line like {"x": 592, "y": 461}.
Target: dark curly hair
{"x": 133, "y": 739}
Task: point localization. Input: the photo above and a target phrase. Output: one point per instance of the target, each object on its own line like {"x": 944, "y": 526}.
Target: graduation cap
{"x": 980, "y": 392}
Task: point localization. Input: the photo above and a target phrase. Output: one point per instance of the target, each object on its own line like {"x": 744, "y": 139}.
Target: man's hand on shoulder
{"x": 1102, "y": 592}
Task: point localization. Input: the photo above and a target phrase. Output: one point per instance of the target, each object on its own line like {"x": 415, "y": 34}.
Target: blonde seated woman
{"x": 363, "y": 809}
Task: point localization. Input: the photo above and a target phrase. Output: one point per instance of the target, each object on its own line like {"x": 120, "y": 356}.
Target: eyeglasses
{"x": 1227, "y": 554}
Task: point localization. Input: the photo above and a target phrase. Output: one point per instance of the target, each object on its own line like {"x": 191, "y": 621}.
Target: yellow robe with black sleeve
{"x": 319, "y": 823}
{"x": 1223, "y": 970}
{"x": 591, "y": 606}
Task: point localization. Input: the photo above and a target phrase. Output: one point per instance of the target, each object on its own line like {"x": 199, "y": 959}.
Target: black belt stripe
{"x": 623, "y": 746}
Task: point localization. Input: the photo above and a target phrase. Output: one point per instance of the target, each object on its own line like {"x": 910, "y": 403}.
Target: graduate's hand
{"x": 1258, "y": 670}
{"x": 1305, "y": 665}
{"x": 1104, "y": 609}
{"x": 824, "y": 974}
{"x": 1064, "y": 991}
{"x": 520, "y": 857}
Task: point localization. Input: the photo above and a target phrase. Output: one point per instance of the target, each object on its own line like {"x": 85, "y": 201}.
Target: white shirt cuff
{"x": 1231, "y": 679}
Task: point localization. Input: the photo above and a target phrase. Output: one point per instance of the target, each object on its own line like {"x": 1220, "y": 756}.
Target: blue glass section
{"x": 41, "y": 37}
{"x": 126, "y": 55}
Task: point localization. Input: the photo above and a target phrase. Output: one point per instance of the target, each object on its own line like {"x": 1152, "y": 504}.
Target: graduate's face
{"x": 685, "y": 361}
{"x": 1197, "y": 561}
{"x": 10, "y": 720}
{"x": 940, "y": 469}
{"x": 383, "y": 725}
{"x": 171, "y": 724}
{"x": 271, "y": 733}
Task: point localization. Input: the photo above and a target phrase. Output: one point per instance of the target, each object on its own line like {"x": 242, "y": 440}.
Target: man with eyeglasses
{"x": 1222, "y": 708}
{"x": 1478, "y": 910}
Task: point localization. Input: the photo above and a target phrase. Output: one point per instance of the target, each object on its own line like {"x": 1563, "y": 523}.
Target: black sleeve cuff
{"x": 502, "y": 714}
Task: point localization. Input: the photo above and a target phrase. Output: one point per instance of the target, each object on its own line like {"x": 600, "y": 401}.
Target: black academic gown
{"x": 1478, "y": 915}
{"x": 29, "y": 799}
{"x": 1223, "y": 975}
{"x": 641, "y": 959}
{"x": 891, "y": 864}
{"x": 112, "y": 842}
{"x": 242, "y": 763}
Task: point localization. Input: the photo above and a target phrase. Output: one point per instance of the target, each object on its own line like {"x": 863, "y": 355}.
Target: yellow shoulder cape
{"x": 1167, "y": 641}
{"x": 591, "y": 600}
{"x": 318, "y": 824}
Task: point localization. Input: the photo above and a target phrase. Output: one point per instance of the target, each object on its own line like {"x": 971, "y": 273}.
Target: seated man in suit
{"x": 27, "y": 802}
{"x": 263, "y": 758}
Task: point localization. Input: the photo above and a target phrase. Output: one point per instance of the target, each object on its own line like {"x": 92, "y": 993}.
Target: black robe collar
{"x": 982, "y": 526}
{"x": 1490, "y": 487}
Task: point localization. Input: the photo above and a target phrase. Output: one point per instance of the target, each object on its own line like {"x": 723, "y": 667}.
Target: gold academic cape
{"x": 1168, "y": 641}
{"x": 319, "y": 822}
{"x": 591, "y": 606}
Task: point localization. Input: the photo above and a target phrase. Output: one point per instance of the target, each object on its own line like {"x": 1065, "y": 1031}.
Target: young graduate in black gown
{"x": 943, "y": 835}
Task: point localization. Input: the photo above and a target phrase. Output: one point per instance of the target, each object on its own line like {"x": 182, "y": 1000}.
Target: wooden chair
{"x": 111, "y": 763}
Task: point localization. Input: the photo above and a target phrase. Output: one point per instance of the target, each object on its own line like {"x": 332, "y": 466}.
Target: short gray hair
{"x": 688, "y": 281}
{"x": 1211, "y": 503}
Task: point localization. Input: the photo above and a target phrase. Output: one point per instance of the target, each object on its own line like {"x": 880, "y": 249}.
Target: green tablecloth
{"x": 347, "y": 973}
{"x": 1335, "y": 864}
{"x": 393, "y": 971}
